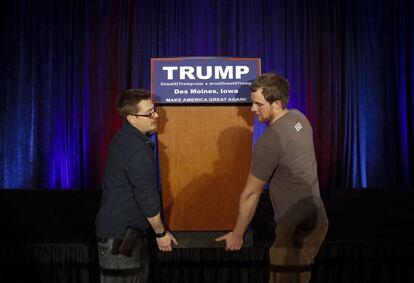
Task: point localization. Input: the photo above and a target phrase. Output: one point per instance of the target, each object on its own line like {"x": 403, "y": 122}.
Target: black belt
{"x": 105, "y": 240}
{"x": 120, "y": 272}
{"x": 102, "y": 240}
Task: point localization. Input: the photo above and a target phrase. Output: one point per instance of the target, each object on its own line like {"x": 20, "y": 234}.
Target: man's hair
{"x": 128, "y": 101}
{"x": 274, "y": 87}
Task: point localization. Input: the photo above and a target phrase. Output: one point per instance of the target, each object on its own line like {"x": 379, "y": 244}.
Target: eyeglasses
{"x": 150, "y": 115}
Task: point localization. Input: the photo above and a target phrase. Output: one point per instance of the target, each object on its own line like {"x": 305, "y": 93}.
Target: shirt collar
{"x": 145, "y": 138}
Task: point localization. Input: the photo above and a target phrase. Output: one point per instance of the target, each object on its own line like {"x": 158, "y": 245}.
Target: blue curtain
{"x": 63, "y": 63}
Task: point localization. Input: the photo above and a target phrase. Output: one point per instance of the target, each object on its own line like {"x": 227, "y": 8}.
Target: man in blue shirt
{"x": 131, "y": 202}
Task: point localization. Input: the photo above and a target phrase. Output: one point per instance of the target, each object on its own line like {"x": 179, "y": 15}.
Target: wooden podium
{"x": 204, "y": 156}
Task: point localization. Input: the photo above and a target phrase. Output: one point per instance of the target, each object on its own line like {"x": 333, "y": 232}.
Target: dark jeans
{"x": 120, "y": 268}
{"x": 293, "y": 252}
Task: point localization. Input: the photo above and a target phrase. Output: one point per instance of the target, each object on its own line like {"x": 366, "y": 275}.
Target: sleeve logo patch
{"x": 298, "y": 127}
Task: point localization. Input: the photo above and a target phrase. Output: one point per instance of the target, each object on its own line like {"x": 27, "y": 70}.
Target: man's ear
{"x": 129, "y": 118}
{"x": 276, "y": 105}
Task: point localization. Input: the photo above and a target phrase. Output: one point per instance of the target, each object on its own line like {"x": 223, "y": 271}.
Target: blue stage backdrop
{"x": 63, "y": 63}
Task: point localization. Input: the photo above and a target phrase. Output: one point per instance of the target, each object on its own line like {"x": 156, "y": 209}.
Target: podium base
{"x": 205, "y": 239}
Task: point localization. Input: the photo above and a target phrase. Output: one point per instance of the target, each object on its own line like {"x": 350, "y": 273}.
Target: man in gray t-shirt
{"x": 284, "y": 156}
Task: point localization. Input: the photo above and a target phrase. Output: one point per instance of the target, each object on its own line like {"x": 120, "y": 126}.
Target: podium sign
{"x": 203, "y": 80}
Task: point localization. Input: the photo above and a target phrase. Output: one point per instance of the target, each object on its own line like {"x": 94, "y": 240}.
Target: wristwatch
{"x": 162, "y": 234}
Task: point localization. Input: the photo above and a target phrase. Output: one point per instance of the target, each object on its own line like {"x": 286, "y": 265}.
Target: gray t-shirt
{"x": 285, "y": 156}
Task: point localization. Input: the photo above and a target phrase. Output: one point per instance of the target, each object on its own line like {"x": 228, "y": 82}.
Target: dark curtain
{"x": 339, "y": 262}
{"x": 63, "y": 63}
{"x": 42, "y": 263}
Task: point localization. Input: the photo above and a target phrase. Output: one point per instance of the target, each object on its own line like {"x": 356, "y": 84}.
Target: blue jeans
{"x": 120, "y": 268}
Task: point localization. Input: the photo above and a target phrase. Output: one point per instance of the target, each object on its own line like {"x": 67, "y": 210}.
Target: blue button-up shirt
{"x": 130, "y": 191}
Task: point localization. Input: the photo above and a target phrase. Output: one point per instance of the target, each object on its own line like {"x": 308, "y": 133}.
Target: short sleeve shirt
{"x": 284, "y": 156}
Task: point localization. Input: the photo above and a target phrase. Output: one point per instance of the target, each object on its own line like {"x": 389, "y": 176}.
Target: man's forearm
{"x": 156, "y": 223}
{"x": 164, "y": 238}
{"x": 249, "y": 199}
{"x": 247, "y": 208}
